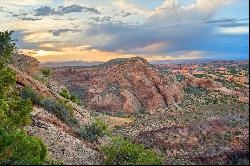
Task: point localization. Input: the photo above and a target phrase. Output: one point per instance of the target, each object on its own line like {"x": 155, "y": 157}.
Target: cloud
{"x": 61, "y": 10}
{"x": 170, "y": 28}
{"x": 235, "y": 30}
{"x": 29, "y": 18}
{"x": 229, "y": 22}
{"x": 45, "y": 11}
{"x": 105, "y": 19}
{"x": 221, "y": 21}
{"x": 76, "y": 8}
{"x": 19, "y": 3}
{"x": 126, "y": 6}
{"x": 125, "y": 14}
{"x": 59, "y": 31}
{"x": 24, "y": 16}
{"x": 172, "y": 12}
{"x": 173, "y": 29}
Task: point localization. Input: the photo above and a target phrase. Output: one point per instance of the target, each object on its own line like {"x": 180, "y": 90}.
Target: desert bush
{"x": 75, "y": 99}
{"x": 196, "y": 90}
{"x": 93, "y": 131}
{"x": 123, "y": 152}
{"x": 46, "y": 71}
{"x": 28, "y": 93}
{"x": 199, "y": 75}
{"x": 180, "y": 77}
{"x": 64, "y": 93}
{"x": 61, "y": 110}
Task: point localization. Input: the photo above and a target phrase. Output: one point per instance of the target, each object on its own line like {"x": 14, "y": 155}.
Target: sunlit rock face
{"x": 25, "y": 63}
{"x": 126, "y": 85}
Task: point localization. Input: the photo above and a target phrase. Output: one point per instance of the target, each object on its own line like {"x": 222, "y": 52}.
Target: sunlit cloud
{"x": 103, "y": 29}
{"x": 234, "y": 30}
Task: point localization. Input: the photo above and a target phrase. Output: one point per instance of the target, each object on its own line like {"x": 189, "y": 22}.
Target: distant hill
{"x": 68, "y": 63}
{"x": 124, "y": 84}
{"x": 198, "y": 60}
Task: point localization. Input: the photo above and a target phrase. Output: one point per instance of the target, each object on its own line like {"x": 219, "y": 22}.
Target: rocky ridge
{"x": 121, "y": 85}
{"x": 25, "y": 63}
{"x": 62, "y": 141}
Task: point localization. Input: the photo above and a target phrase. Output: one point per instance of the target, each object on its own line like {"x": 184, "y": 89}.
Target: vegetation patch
{"x": 65, "y": 93}
{"x": 61, "y": 110}
{"x": 93, "y": 131}
{"x": 46, "y": 71}
{"x": 28, "y": 93}
{"x": 200, "y": 75}
{"x": 123, "y": 152}
{"x": 180, "y": 77}
{"x": 16, "y": 147}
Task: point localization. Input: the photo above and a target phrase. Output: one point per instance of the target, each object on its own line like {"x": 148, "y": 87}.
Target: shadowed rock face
{"x": 128, "y": 85}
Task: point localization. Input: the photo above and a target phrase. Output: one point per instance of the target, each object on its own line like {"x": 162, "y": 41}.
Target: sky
{"x": 100, "y": 30}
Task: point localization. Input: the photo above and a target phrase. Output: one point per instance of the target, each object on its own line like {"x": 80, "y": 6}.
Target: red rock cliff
{"x": 128, "y": 85}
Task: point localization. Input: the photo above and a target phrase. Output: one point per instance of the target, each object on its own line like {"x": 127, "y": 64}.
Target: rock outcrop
{"x": 24, "y": 79}
{"x": 127, "y": 85}
{"x": 202, "y": 82}
{"x": 25, "y": 63}
{"x": 60, "y": 139}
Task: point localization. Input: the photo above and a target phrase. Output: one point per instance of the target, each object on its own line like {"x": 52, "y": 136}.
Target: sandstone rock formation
{"x": 128, "y": 85}
{"x": 202, "y": 82}
{"x": 25, "y": 63}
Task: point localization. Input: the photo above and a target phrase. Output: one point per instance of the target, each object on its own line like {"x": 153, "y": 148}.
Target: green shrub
{"x": 123, "y": 152}
{"x": 61, "y": 110}
{"x": 7, "y": 45}
{"x": 64, "y": 93}
{"x": 199, "y": 75}
{"x": 75, "y": 99}
{"x": 28, "y": 93}
{"x": 93, "y": 131}
{"x": 196, "y": 90}
{"x": 16, "y": 147}
{"x": 46, "y": 71}
{"x": 180, "y": 77}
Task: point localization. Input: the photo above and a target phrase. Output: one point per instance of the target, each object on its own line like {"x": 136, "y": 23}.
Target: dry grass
{"x": 113, "y": 121}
